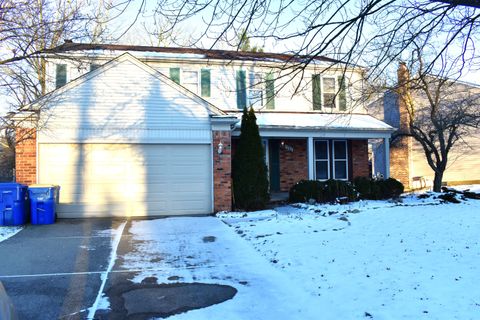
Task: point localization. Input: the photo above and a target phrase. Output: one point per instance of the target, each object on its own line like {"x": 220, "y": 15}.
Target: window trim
{"x": 342, "y": 159}
{"x": 327, "y": 159}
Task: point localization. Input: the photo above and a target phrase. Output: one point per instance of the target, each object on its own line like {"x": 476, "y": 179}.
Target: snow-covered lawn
{"x": 7, "y": 232}
{"x": 418, "y": 259}
{"x": 469, "y": 187}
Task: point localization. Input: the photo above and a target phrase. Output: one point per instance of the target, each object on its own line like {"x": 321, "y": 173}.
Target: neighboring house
{"x": 408, "y": 161}
{"x": 140, "y": 131}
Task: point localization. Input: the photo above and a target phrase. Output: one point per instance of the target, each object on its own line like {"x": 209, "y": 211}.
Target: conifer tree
{"x": 250, "y": 183}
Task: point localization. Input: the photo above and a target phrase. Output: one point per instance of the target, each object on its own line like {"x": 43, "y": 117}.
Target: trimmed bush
{"x": 305, "y": 190}
{"x": 378, "y": 189}
{"x": 391, "y": 188}
{"x": 322, "y": 191}
{"x": 335, "y": 190}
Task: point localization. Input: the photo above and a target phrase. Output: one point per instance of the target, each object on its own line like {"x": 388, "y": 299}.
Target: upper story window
{"x": 190, "y": 80}
{"x": 60, "y": 75}
{"x": 329, "y": 93}
{"x": 260, "y": 91}
{"x": 255, "y": 89}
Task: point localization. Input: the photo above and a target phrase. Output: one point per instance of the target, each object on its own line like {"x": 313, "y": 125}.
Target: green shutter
{"x": 175, "y": 75}
{"x": 270, "y": 91}
{"x": 316, "y": 92}
{"x": 61, "y": 76}
{"x": 205, "y": 82}
{"x": 241, "y": 89}
{"x": 342, "y": 94}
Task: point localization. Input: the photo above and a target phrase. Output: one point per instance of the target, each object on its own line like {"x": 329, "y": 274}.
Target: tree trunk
{"x": 437, "y": 181}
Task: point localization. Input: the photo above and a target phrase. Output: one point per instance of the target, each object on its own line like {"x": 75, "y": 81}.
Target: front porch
{"x": 318, "y": 149}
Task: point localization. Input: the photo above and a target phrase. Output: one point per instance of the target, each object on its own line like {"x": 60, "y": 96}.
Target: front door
{"x": 274, "y": 164}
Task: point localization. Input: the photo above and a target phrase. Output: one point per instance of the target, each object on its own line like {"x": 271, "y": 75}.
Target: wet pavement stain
{"x": 139, "y": 301}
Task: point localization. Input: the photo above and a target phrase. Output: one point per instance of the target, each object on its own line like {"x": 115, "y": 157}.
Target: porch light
{"x": 220, "y": 148}
{"x": 285, "y": 146}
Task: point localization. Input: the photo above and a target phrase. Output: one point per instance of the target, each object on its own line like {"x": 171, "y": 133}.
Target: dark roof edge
{"x": 69, "y": 46}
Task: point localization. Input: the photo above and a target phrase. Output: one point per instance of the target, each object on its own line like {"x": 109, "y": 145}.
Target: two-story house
{"x": 131, "y": 130}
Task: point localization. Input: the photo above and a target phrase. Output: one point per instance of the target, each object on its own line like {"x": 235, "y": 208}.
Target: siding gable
{"x": 125, "y": 102}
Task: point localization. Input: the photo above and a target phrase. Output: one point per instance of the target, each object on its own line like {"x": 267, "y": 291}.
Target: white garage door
{"x": 128, "y": 179}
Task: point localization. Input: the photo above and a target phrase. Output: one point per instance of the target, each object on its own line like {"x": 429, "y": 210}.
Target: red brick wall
{"x": 222, "y": 171}
{"x": 400, "y": 152}
{"x": 359, "y": 158}
{"x": 26, "y": 156}
{"x": 293, "y": 165}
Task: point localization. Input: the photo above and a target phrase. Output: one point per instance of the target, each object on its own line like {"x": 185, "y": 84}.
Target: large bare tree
{"x": 373, "y": 33}
{"x": 28, "y": 28}
{"x": 441, "y": 115}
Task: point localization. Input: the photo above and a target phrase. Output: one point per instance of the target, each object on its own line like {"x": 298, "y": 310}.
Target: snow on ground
{"x": 469, "y": 187}
{"x": 417, "y": 259}
{"x": 7, "y": 232}
{"x": 205, "y": 250}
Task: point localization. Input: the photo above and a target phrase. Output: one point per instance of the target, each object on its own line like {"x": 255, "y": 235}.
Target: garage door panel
{"x": 128, "y": 180}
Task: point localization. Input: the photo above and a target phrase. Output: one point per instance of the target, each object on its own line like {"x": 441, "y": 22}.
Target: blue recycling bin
{"x": 43, "y": 203}
{"x": 13, "y": 204}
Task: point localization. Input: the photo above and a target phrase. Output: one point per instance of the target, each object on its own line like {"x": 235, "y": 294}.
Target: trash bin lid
{"x": 43, "y": 185}
{"x": 11, "y": 185}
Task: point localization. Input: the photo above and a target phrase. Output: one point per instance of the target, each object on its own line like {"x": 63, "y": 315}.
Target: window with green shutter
{"x": 205, "y": 82}
{"x": 241, "y": 89}
{"x": 342, "y": 94}
{"x": 61, "y": 75}
{"x": 316, "y": 92}
{"x": 270, "y": 91}
{"x": 175, "y": 75}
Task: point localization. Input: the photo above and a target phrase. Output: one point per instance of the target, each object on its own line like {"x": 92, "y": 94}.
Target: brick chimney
{"x": 401, "y": 146}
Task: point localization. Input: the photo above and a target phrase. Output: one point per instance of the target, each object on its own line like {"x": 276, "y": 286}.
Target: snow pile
{"x": 415, "y": 259}
{"x": 7, "y": 232}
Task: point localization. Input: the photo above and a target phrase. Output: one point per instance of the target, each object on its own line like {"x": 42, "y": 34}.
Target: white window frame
{"x": 316, "y": 160}
{"x": 258, "y": 87}
{"x": 267, "y": 158}
{"x": 335, "y": 92}
{"x": 182, "y": 79}
{"x": 334, "y": 160}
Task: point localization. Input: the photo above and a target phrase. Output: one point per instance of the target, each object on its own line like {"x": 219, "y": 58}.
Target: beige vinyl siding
{"x": 463, "y": 164}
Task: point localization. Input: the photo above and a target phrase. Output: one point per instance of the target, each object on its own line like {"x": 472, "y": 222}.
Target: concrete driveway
{"x": 184, "y": 268}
